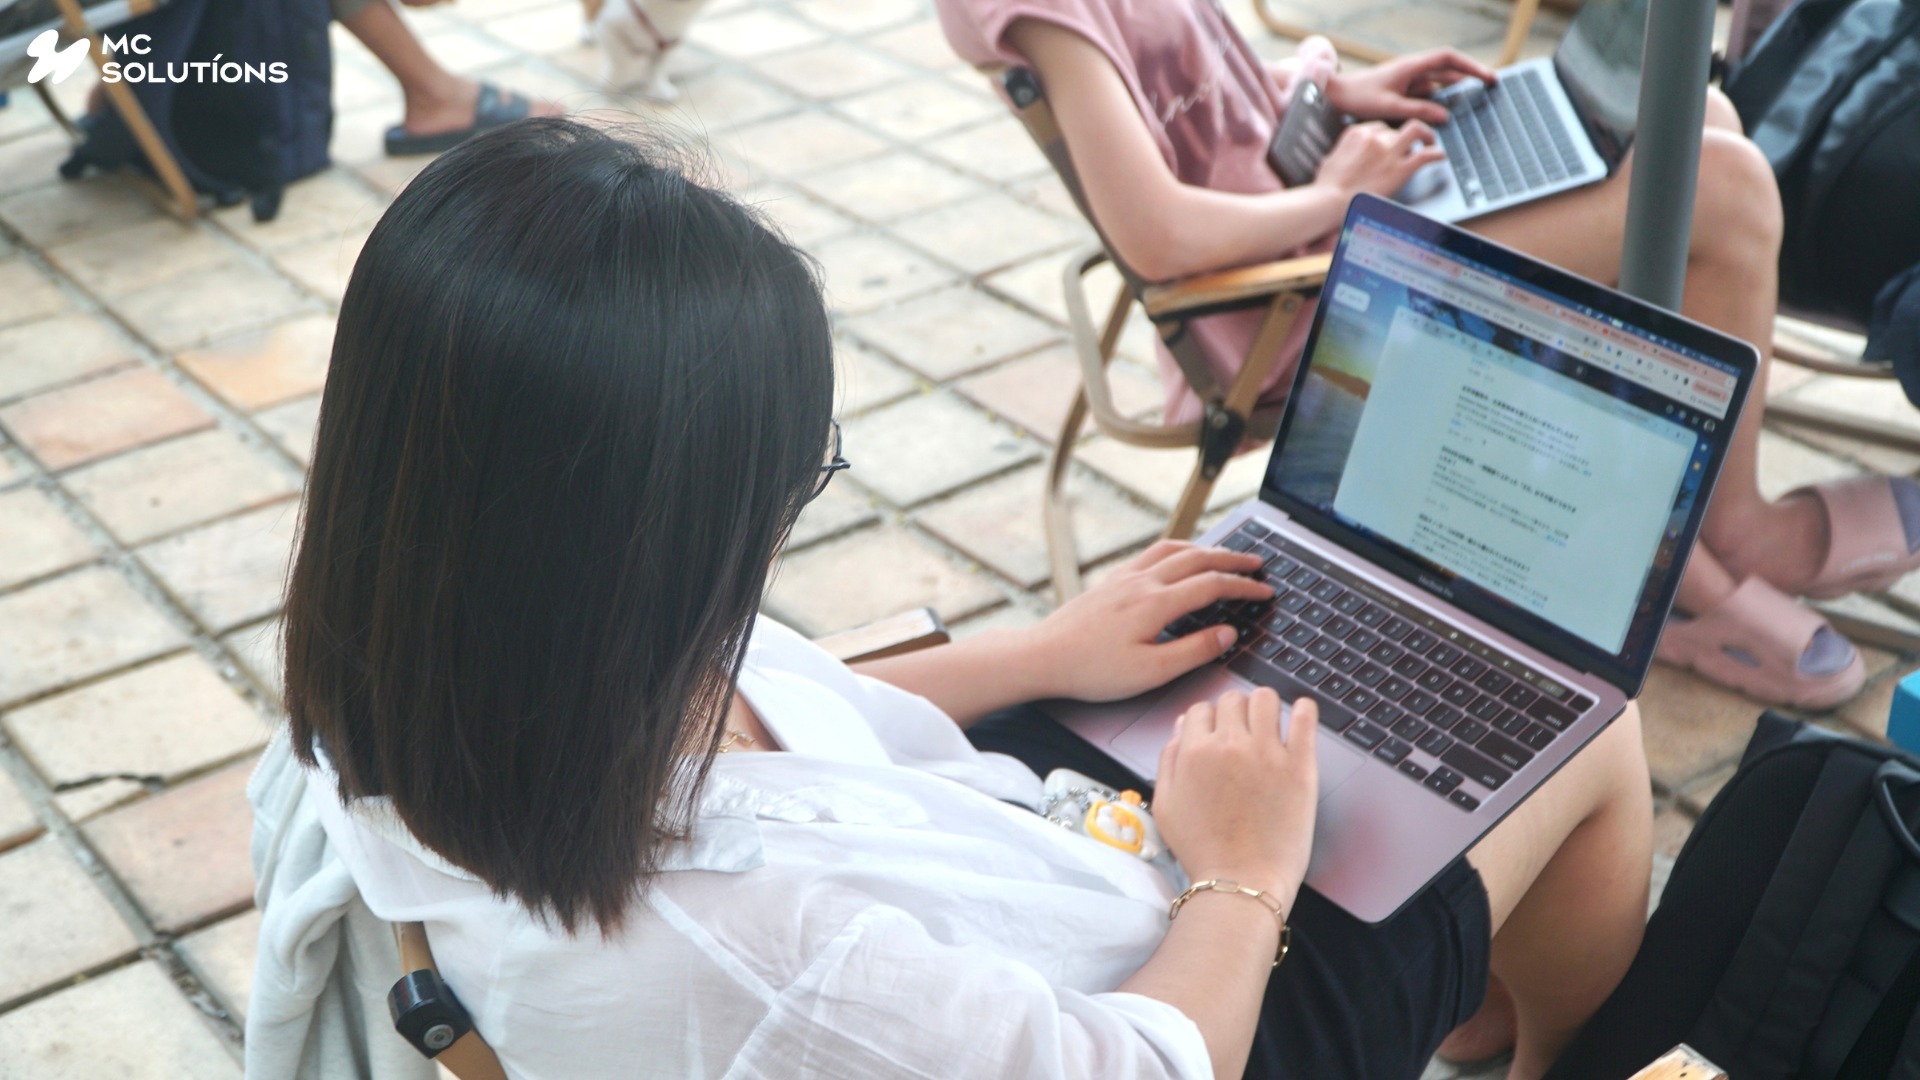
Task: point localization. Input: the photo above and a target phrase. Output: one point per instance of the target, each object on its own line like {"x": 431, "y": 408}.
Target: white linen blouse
{"x": 864, "y": 904}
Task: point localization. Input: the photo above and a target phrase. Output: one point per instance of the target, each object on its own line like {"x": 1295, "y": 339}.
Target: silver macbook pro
{"x": 1476, "y": 513}
{"x": 1547, "y": 125}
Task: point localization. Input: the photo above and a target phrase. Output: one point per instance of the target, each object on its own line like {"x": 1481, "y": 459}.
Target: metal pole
{"x": 1666, "y": 150}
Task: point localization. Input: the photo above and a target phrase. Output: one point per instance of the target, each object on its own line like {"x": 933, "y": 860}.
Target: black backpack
{"x": 1831, "y": 95}
{"x": 234, "y": 140}
{"x": 1787, "y": 943}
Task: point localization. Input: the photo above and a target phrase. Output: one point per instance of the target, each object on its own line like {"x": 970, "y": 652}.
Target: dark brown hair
{"x": 576, "y": 402}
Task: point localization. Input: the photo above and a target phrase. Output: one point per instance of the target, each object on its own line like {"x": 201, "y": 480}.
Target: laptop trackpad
{"x": 1138, "y": 747}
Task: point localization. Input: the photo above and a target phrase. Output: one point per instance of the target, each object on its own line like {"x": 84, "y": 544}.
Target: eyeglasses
{"x": 834, "y": 464}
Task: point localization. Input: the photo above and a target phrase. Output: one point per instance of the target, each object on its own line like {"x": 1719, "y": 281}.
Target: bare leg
{"x": 1566, "y": 876}
{"x": 437, "y": 100}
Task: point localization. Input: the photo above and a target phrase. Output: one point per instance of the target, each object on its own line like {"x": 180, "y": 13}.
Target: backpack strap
{"x": 1801, "y": 937}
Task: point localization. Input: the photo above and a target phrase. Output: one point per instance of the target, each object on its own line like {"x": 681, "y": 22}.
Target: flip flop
{"x": 1869, "y": 545}
{"x": 493, "y": 108}
{"x": 1760, "y": 642}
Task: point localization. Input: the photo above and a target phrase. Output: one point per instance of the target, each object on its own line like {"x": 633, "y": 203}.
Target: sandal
{"x": 1871, "y": 543}
{"x": 1760, "y": 642}
{"x": 493, "y": 108}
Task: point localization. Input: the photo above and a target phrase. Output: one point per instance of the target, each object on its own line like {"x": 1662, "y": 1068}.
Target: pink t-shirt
{"x": 1211, "y": 105}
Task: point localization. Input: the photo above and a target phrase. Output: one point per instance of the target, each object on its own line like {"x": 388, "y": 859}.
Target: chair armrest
{"x": 1235, "y": 288}
{"x": 1682, "y": 1062}
{"x": 909, "y": 631}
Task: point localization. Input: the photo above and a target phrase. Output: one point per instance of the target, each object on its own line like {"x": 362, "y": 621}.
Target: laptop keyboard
{"x": 1507, "y": 139}
{"x": 1448, "y": 711}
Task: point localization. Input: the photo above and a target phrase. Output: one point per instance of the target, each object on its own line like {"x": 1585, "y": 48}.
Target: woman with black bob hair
{"x": 577, "y": 401}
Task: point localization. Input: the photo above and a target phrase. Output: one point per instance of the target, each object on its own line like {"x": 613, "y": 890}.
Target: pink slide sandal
{"x": 1868, "y": 547}
{"x": 1760, "y": 642}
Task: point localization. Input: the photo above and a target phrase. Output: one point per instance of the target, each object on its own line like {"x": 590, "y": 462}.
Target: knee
{"x": 1737, "y": 217}
{"x": 1721, "y": 115}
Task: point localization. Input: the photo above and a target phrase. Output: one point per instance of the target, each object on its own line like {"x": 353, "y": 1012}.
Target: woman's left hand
{"x": 1100, "y": 645}
{"x": 1402, "y": 88}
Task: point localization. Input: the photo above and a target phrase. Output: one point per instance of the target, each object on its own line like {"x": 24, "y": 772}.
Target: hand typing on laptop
{"x": 1402, "y": 88}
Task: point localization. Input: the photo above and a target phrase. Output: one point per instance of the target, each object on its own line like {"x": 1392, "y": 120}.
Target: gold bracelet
{"x": 1225, "y": 886}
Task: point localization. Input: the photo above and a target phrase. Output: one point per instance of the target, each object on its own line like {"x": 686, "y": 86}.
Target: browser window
{"x": 1505, "y": 436}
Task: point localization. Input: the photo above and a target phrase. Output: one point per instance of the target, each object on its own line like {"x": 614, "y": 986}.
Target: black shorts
{"x": 1352, "y": 1001}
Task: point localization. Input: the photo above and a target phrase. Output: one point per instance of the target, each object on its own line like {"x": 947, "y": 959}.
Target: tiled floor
{"x": 158, "y": 390}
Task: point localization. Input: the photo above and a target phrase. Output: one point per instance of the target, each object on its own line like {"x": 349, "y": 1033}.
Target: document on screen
{"x": 1522, "y": 480}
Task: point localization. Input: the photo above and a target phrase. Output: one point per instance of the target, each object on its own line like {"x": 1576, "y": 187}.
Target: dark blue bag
{"x": 235, "y": 139}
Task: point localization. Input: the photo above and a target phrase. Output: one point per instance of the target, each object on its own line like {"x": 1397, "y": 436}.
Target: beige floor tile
{"x": 858, "y": 16}
{"x": 18, "y": 822}
{"x": 1786, "y": 464}
{"x": 166, "y": 719}
{"x": 1010, "y": 616}
{"x": 1048, "y": 193}
{"x": 998, "y": 150}
{"x": 919, "y": 109}
{"x": 183, "y": 853}
{"x": 886, "y": 188}
{"x": 232, "y": 571}
{"x": 324, "y": 266}
{"x": 390, "y": 175}
{"x": 870, "y": 574}
{"x": 835, "y": 69}
{"x": 37, "y": 538}
{"x": 752, "y": 33}
{"x": 1693, "y": 727}
{"x": 721, "y": 100}
{"x": 801, "y": 219}
{"x": 100, "y": 417}
{"x": 258, "y": 648}
{"x": 74, "y": 626}
{"x": 998, "y": 523}
{"x": 266, "y": 367}
{"x": 800, "y": 143}
{"x": 121, "y": 261}
{"x": 1035, "y": 284}
{"x": 359, "y": 134}
{"x": 985, "y": 234}
{"x": 328, "y": 206}
{"x": 54, "y": 923}
{"x": 209, "y": 306}
{"x": 27, "y": 293}
{"x": 33, "y": 161}
{"x": 1868, "y": 712}
{"x": 1697, "y": 795}
{"x": 863, "y": 379}
{"x": 864, "y": 272}
{"x": 175, "y": 484}
{"x": 89, "y": 801}
{"x": 840, "y": 508}
{"x": 546, "y": 30}
{"x": 953, "y": 332}
{"x": 45, "y": 216}
{"x": 222, "y": 956}
{"x": 1034, "y": 391}
{"x": 928, "y": 445}
{"x": 1671, "y": 827}
{"x": 87, "y": 344}
{"x": 919, "y": 43}
{"x": 1159, "y": 476}
{"x": 156, "y": 1034}
{"x": 465, "y": 52}
{"x": 292, "y": 425}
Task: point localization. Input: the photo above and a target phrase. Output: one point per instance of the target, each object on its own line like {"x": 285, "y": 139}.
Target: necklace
{"x": 734, "y": 738}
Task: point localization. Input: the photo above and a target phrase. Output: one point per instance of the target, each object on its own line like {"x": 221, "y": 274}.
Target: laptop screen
{"x": 1599, "y": 66}
{"x": 1528, "y": 444}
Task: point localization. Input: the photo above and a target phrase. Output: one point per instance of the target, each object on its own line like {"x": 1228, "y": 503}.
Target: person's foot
{"x": 1830, "y": 539}
{"x": 1488, "y": 1033}
{"x": 453, "y": 106}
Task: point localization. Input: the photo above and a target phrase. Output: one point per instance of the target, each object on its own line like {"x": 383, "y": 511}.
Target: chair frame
{"x": 174, "y": 193}
{"x": 1519, "y": 25}
{"x": 1280, "y": 288}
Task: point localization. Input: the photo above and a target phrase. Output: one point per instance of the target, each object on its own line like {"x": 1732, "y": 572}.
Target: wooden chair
{"x": 426, "y": 1011}
{"x": 173, "y": 193}
{"x": 1519, "y": 24}
{"x": 1281, "y": 288}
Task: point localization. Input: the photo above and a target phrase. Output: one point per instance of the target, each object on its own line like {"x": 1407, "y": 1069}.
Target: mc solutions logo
{"x": 49, "y": 59}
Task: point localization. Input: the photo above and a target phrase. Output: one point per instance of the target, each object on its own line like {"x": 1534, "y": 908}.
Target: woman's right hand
{"x": 1233, "y": 800}
{"x": 1375, "y": 158}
